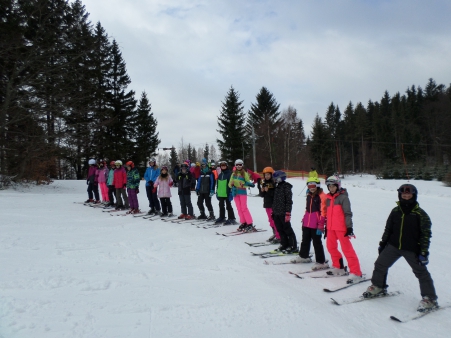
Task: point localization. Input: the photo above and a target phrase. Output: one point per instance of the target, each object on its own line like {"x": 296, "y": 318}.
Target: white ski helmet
{"x": 334, "y": 180}
{"x": 239, "y": 162}
{"x": 92, "y": 161}
{"x": 118, "y": 162}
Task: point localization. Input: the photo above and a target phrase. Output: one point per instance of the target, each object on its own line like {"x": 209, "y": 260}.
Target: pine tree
{"x": 264, "y": 117}
{"x": 173, "y": 158}
{"x": 145, "y": 132}
{"x": 231, "y": 122}
{"x": 321, "y": 155}
{"x": 206, "y": 152}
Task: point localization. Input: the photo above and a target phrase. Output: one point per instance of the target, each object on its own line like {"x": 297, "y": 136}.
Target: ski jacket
{"x": 102, "y": 175}
{"x": 239, "y": 181}
{"x": 268, "y": 196}
{"x": 196, "y": 172}
{"x": 283, "y": 198}
{"x": 133, "y": 178}
{"x": 215, "y": 174}
{"x": 164, "y": 184}
{"x": 92, "y": 174}
{"x": 222, "y": 186}
{"x": 410, "y": 232}
{"x": 254, "y": 176}
{"x": 315, "y": 210}
{"x": 151, "y": 175}
{"x": 120, "y": 178}
{"x": 184, "y": 183}
{"x": 206, "y": 182}
{"x": 339, "y": 214}
{"x": 176, "y": 170}
{"x": 110, "y": 177}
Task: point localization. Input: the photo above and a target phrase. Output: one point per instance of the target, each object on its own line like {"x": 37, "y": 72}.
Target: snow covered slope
{"x": 68, "y": 270}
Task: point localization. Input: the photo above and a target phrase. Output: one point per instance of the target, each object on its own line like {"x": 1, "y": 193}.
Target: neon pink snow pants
{"x": 271, "y": 222}
{"x": 348, "y": 251}
{"x": 243, "y": 211}
{"x": 104, "y": 191}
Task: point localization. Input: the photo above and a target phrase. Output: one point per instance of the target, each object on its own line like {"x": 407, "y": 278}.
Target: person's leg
{"x": 238, "y": 207}
{"x": 132, "y": 198}
{"x": 200, "y": 204}
{"x": 221, "y": 202}
{"x": 304, "y": 251}
{"x": 271, "y": 222}
{"x": 119, "y": 203}
{"x": 320, "y": 257}
{"x": 279, "y": 221}
{"x": 230, "y": 212}
{"x": 292, "y": 242}
{"x": 111, "y": 193}
{"x": 349, "y": 253}
{"x": 332, "y": 247}
{"x": 421, "y": 272}
{"x": 208, "y": 203}
{"x": 384, "y": 261}
{"x": 96, "y": 192}
{"x": 244, "y": 209}
{"x": 90, "y": 194}
{"x": 189, "y": 205}
{"x": 164, "y": 205}
{"x": 149, "y": 196}
{"x": 155, "y": 201}
{"x": 169, "y": 205}
{"x": 124, "y": 196}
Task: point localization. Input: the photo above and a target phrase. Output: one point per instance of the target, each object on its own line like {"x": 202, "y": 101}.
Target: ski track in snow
{"x": 68, "y": 270}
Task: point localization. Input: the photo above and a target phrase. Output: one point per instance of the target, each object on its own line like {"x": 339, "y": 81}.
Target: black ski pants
{"x": 389, "y": 256}
{"x": 186, "y": 205}
{"x": 200, "y": 203}
{"x": 287, "y": 235}
{"x": 93, "y": 188}
{"x": 111, "y": 193}
{"x": 309, "y": 235}
{"x": 222, "y": 208}
{"x": 154, "y": 203}
{"x": 166, "y": 205}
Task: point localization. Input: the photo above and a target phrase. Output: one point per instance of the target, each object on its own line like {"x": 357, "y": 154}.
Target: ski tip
{"x": 328, "y": 290}
{"x": 266, "y": 262}
{"x": 395, "y": 319}
{"x": 334, "y": 301}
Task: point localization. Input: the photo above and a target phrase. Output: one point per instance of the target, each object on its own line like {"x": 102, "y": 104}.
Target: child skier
{"x": 110, "y": 184}
{"x": 120, "y": 183}
{"x": 281, "y": 212}
{"x": 224, "y": 195}
{"x": 102, "y": 177}
{"x": 205, "y": 189}
{"x": 165, "y": 182}
{"x": 267, "y": 192}
{"x": 151, "y": 175}
{"x": 92, "y": 183}
{"x": 184, "y": 190}
{"x": 407, "y": 234}
{"x": 339, "y": 229}
{"x": 239, "y": 181}
{"x": 133, "y": 180}
{"x": 313, "y": 226}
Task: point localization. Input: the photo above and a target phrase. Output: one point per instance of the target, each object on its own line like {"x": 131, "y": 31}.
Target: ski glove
{"x": 381, "y": 246}
{"x": 287, "y": 217}
{"x": 137, "y": 190}
{"x": 171, "y": 184}
{"x": 197, "y": 192}
{"x": 125, "y": 185}
{"x": 154, "y": 190}
{"x": 319, "y": 232}
{"x": 212, "y": 192}
{"x": 230, "y": 197}
{"x": 423, "y": 259}
{"x": 349, "y": 232}
{"x": 249, "y": 184}
{"x": 321, "y": 224}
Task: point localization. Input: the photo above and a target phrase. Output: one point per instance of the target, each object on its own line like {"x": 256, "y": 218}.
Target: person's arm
{"x": 426, "y": 232}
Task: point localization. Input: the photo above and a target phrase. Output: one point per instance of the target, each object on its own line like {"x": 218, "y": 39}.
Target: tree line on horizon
{"x": 400, "y": 136}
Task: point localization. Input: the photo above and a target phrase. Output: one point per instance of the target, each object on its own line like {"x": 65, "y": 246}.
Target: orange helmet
{"x": 130, "y": 164}
{"x": 268, "y": 170}
{"x": 112, "y": 163}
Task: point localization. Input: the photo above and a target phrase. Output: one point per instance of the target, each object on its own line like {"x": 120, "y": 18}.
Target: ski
{"x": 361, "y": 298}
{"x": 168, "y": 219}
{"x": 139, "y": 214}
{"x": 276, "y": 263}
{"x": 239, "y": 233}
{"x": 418, "y": 314}
{"x": 346, "y": 286}
{"x": 257, "y": 244}
{"x": 147, "y": 216}
{"x": 298, "y": 274}
{"x": 113, "y": 210}
{"x": 279, "y": 254}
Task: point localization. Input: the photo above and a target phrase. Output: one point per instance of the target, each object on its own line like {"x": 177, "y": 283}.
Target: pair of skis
{"x": 237, "y": 233}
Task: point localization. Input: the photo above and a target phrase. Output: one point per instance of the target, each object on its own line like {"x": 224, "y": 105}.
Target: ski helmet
{"x": 269, "y": 170}
{"x": 164, "y": 167}
{"x": 112, "y": 163}
{"x": 313, "y": 181}
{"x": 239, "y": 162}
{"x": 130, "y": 164}
{"x": 334, "y": 180}
{"x": 118, "y": 162}
{"x": 92, "y": 161}
{"x": 184, "y": 165}
{"x": 279, "y": 176}
{"x": 153, "y": 159}
{"x": 212, "y": 164}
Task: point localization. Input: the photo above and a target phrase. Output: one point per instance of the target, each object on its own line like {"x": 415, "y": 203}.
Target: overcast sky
{"x": 187, "y": 54}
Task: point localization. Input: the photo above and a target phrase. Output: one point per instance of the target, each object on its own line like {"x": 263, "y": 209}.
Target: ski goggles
{"x": 312, "y": 185}
{"x": 238, "y": 165}
{"x": 407, "y": 189}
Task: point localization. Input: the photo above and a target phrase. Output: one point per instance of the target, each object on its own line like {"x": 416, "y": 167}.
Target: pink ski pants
{"x": 335, "y": 236}
{"x": 271, "y": 222}
{"x": 104, "y": 191}
{"x": 243, "y": 211}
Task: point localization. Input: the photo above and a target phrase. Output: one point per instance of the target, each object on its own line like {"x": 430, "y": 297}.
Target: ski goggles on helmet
{"x": 312, "y": 185}
{"x": 407, "y": 189}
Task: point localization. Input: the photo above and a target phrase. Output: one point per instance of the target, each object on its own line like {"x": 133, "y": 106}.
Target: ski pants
{"x": 185, "y": 203}
{"x": 389, "y": 256}
{"x": 166, "y": 205}
{"x": 104, "y": 191}
{"x": 133, "y": 198}
{"x": 243, "y": 211}
{"x": 111, "y": 193}
{"x": 200, "y": 202}
{"x": 121, "y": 192}
{"x": 287, "y": 235}
{"x": 271, "y": 222}
{"x": 93, "y": 188}
{"x": 309, "y": 235}
{"x": 335, "y": 236}
{"x": 154, "y": 203}
{"x": 222, "y": 208}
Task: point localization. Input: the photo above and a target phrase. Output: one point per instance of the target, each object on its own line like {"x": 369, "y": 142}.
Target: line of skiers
{"x": 407, "y": 232}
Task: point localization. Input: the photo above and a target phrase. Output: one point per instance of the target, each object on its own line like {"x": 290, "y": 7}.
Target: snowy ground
{"x": 68, "y": 270}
